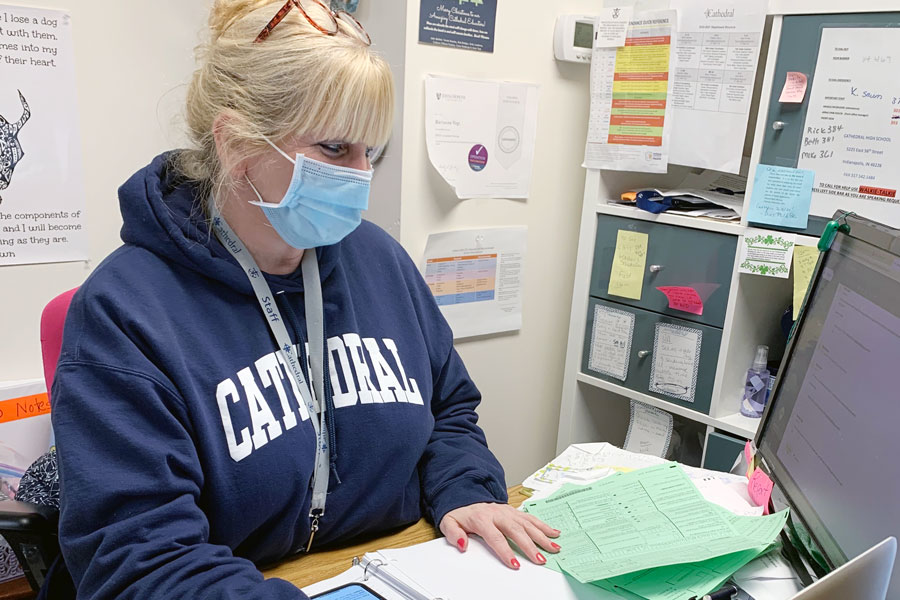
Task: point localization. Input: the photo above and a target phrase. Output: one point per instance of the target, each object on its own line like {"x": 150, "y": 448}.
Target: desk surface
{"x": 314, "y": 567}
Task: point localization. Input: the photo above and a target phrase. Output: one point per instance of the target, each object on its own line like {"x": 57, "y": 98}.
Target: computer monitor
{"x": 830, "y": 436}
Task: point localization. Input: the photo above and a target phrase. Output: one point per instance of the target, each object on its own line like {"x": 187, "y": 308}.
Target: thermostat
{"x": 573, "y": 38}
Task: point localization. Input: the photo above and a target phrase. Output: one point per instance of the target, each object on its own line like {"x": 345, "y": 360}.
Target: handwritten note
{"x": 626, "y": 279}
{"x": 24, "y": 407}
{"x": 676, "y": 359}
{"x": 805, "y": 258}
{"x": 611, "y": 26}
{"x": 611, "y": 341}
{"x": 794, "y": 89}
{"x": 685, "y": 299}
{"x": 649, "y": 430}
{"x": 767, "y": 253}
{"x": 760, "y": 489}
{"x": 781, "y": 196}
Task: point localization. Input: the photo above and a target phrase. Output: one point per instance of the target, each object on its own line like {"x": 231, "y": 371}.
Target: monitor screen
{"x": 584, "y": 34}
{"x": 831, "y": 435}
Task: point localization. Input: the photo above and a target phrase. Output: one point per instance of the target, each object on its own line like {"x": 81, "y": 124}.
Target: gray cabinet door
{"x": 721, "y": 451}
{"x": 676, "y": 256}
{"x": 628, "y": 347}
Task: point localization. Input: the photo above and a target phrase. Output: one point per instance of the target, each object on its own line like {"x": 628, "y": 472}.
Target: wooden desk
{"x": 310, "y": 568}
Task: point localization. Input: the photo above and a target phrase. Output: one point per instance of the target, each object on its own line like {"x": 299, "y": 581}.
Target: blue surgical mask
{"x": 322, "y": 205}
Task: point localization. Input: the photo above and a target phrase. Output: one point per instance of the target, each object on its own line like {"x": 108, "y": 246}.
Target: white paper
{"x": 611, "y": 341}
{"x": 851, "y": 136}
{"x": 649, "y": 430}
{"x": 769, "y": 577}
{"x": 631, "y": 145}
{"x": 767, "y": 253}
{"x": 676, "y": 359}
{"x": 714, "y": 67}
{"x": 438, "y": 568}
{"x": 480, "y": 135}
{"x": 477, "y": 278}
{"x": 41, "y": 181}
{"x": 586, "y": 463}
{"x": 611, "y": 27}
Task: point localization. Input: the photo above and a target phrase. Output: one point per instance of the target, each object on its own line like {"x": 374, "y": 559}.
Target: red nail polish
{"x": 555, "y": 546}
{"x": 541, "y": 558}
{"x": 515, "y": 563}
{"x": 461, "y": 543}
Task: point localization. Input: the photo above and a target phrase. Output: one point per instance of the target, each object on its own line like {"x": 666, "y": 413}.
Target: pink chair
{"x": 52, "y": 320}
{"x": 30, "y": 526}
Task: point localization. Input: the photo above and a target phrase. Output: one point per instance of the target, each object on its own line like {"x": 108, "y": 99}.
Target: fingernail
{"x": 461, "y": 543}
{"x": 515, "y": 563}
{"x": 541, "y": 558}
{"x": 557, "y": 531}
{"x": 555, "y": 546}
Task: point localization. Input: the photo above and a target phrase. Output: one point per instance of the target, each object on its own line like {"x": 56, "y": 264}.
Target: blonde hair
{"x": 298, "y": 81}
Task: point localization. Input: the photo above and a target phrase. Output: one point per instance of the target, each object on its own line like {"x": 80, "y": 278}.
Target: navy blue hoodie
{"x": 185, "y": 453}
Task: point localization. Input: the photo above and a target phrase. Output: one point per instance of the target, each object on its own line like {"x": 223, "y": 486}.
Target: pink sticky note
{"x": 682, "y": 298}
{"x": 748, "y": 455}
{"x": 794, "y": 88}
{"x": 760, "y": 489}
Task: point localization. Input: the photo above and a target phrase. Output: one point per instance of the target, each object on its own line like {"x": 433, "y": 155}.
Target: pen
{"x": 726, "y": 593}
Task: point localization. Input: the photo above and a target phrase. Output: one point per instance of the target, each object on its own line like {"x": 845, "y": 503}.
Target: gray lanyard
{"x": 315, "y": 326}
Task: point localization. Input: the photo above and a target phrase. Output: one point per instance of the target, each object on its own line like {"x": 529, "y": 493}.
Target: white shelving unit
{"x": 594, "y": 409}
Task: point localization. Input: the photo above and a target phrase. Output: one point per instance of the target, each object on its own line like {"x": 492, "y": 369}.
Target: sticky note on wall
{"x": 683, "y": 298}
{"x": 805, "y": 258}
{"x": 781, "y": 196}
{"x": 794, "y": 89}
{"x": 626, "y": 279}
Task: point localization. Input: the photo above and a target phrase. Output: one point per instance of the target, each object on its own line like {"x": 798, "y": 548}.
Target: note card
{"x": 649, "y": 430}
{"x": 794, "y": 89}
{"x": 611, "y": 341}
{"x": 676, "y": 359}
{"x": 683, "y": 298}
{"x": 781, "y": 196}
{"x": 626, "y": 279}
{"x": 611, "y": 26}
{"x": 760, "y": 489}
{"x": 805, "y": 259}
{"x": 766, "y": 253}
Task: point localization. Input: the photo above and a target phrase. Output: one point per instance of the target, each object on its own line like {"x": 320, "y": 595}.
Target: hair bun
{"x": 225, "y": 13}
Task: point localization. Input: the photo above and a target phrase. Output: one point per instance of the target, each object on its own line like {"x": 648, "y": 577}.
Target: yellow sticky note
{"x": 805, "y": 258}
{"x": 626, "y": 279}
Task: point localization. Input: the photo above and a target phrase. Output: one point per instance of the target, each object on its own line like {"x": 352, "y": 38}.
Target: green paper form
{"x": 645, "y": 519}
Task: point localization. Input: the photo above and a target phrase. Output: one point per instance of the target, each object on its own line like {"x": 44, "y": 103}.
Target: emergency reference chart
{"x": 41, "y": 179}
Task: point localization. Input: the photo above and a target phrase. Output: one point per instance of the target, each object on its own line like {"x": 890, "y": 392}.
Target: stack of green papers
{"x": 650, "y": 534}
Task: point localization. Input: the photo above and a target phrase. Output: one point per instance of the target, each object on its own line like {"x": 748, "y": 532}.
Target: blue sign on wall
{"x": 466, "y": 24}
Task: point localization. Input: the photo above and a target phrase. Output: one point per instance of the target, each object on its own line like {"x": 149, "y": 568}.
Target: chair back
{"x": 52, "y": 320}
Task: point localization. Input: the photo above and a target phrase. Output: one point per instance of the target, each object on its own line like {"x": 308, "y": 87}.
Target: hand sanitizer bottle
{"x": 756, "y": 387}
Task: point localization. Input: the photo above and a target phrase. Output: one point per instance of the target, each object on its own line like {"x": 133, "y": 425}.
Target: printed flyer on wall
{"x": 480, "y": 135}
{"x": 41, "y": 181}
{"x": 630, "y": 119}
{"x": 477, "y": 278}
{"x": 852, "y": 133}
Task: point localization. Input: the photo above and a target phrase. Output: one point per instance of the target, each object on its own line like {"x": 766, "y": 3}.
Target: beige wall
{"x": 132, "y": 61}
{"x": 520, "y": 374}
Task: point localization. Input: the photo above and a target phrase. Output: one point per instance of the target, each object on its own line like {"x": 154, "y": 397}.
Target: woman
{"x": 191, "y": 444}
